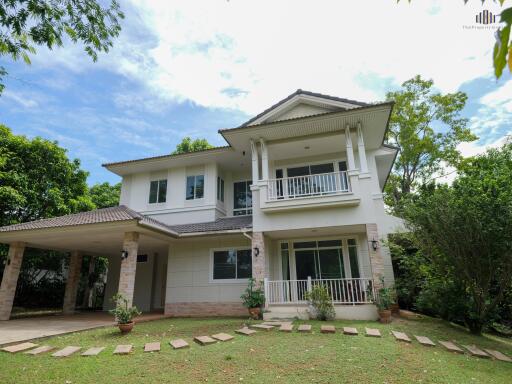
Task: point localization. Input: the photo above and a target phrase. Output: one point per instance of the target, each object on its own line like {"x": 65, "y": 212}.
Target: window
{"x": 310, "y": 179}
{"x": 142, "y": 258}
{"x": 195, "y": 187}
{"x": 232, "y": 264}
{"x": 285, "y": 261}
{"x": 220, "y": 189}
{"x": 242, "y": 196}
{"x": 352, "y": 255}
{"x": 157, "y": 191}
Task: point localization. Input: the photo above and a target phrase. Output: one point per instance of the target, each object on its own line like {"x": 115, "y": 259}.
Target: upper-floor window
{"x": 220, "y": 189}
{"x": 157, "y": 191}
{"x": 242, "y": 195}
{"x": 195, "y": 187}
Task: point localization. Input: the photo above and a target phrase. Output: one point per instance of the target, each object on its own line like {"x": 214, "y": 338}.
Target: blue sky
{"x": 190, "y": 68}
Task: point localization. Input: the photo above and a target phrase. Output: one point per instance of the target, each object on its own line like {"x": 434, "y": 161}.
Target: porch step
{"x": 204, "y": 340}
{"x": 423, "y": 340}
{"x": 19, "y": 347}
{"x": 451, "y": 346}
{"x": 68, "y": 351}
{"x": 498, "y": 355}
{"x": 152, "y": 347}
{"x": 477, "y": 352}
{"x": 123, "y": 349}
{"x": 245, "y": 331}
{"x": 350, "y": 331}
{"x": 327, "y": 329}
{"x": 400, "y": 336}
{"x": 372, "y": 332}
{"x": 179, "y": 344}
{"x": 304, "y": 328}
{"x": 39, "y": 350}
{"x": 223, "y": 337}
{"x": 94, "y": 351}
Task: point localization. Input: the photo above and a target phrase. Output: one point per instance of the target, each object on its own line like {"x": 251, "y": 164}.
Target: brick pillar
{"x": 129, "y": 266}
{"x": 75, "y": 265}
{"x": 10, "y": 279}
{"x": 258, "y": 262}
{"x": 376, "y": 261}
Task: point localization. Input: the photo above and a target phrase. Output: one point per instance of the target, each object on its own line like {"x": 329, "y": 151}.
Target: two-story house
{"x": 294, "y": 199}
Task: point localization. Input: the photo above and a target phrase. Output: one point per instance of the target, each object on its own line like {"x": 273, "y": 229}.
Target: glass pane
{"x": 343, "y": 165}
{"x": 330, "y": 266}
{"x": 224, "y": 265}
{"x": 199, "y": 187}
{"x": 351, "y": 242}
{"x": 284, "y": 245}
{"x": 244, "y": 264}
{"x": 240, "y": 212}
{"x": 248, "y": 198}
{"x": 354, "y": 264}
{"x": 222, "y": 190}
{"x": 329, "y": 243}
{"x": 190, "y": 187}
{"x": 298, "y": 171}
{"x": 305, "y": 264}
{"x": 322, "y": 168}
{"x": 239, "y": 195}
{"x": 153, "y": 190}
{"x": 162, "y": 191}
{"x": 285, "y": 264}
{"x": 305, "y": 244}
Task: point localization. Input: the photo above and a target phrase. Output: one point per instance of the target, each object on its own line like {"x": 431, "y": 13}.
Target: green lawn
{"x": 266, "y": 357}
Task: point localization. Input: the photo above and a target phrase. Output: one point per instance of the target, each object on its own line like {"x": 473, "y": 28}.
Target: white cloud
{"x": 21, "y": 99}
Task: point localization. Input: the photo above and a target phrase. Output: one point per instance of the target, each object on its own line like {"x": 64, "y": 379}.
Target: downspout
{"x": 244, "y": 232}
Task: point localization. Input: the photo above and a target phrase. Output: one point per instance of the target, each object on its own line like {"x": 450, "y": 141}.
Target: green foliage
{"x": 385, "y": 297}
{"x": 122, "y": 312}
{"x": 188, "y": 145}
{"x": 465, "y": 231}
{"x": 105, "y": 195}
{"x": 320, "y": 299}
{"x": 30, "y": 23}
{"x": 426, "y": 127}
{"x": 253, "y": 296}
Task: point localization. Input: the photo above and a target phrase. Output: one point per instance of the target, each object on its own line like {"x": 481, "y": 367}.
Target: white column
{"x": 264, "y": 160}
{"x": 255, "y": 161}
{"x": 350, "y": 151}
{"x": 361, "y": 150}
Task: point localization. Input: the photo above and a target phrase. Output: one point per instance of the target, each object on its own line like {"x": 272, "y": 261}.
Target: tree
{"x": 105, "y": 195}
{"x": 426, "y": 127}
{"x": 29, "y": 23}
{"x": 188, "y": 145}
{"x": 465, "y": 230}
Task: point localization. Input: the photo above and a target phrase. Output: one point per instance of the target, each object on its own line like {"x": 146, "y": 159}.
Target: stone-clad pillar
{"x": 129, "y": 266}
{"x": 258, "y": 257}
{"x": 75, "y": 265}
{"x": 10, "y": 279}
{"x": 376, "y": 260}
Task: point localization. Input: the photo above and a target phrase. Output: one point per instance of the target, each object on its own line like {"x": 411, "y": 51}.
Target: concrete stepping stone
{"x": 152, "y": 347}
{"x": 372, "y": 332}
{"x": 451, "y": 346}
{"x": 477, "y": 352}
{"x": 39, "y": 350}
{"x": 498, "y": 355}
{"x": 276, "y": 323}
{"x": 286, "y": 327}
{"x": 94, "y": 351}
{"x": 19, "y": 347}
{"x": 262, "y": 326}
{"x": 327, "y": 329}
{"x": 222, "y": 337}
{"x": 304, "y": 328}
{"x": 68, "y": 351}
{"x": 423, "y": 340}
{"x": 245, "y": 331}
{"x": 204, "y": 340}
{"x": 350, "y": 331}
{"x": 400, "y": 336}
{"x": 179, "y": 344}
{"x": 123, "y": 349}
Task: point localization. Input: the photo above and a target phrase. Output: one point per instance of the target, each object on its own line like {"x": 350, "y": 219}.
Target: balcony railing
{"x": 342, "y": 291}
{"x": 309, "y": 185}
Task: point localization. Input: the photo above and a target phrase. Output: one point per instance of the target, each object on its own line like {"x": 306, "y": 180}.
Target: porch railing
{"x": 309, "y": 185}
{"x": 342, "y": 291}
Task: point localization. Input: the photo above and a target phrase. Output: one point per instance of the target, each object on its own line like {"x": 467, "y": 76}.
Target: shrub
{"x": 122, "y": 312}
{"x": 320, "y": 299}
{"x": 253, "y": 297}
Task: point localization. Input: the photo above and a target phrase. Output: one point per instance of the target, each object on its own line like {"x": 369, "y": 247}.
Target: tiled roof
{"x": 221, "y": 224}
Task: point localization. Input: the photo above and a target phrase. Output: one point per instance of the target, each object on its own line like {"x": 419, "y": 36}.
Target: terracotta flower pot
{"x": 126, "y": 328}
{"x": 385, "y": 316}
{"x": 255, "y": 313}
{"x": 395, "y": 309}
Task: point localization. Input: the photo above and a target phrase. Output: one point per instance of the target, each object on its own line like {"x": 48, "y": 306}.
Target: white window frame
{"x": 242, "y": 281}
{"x": 158, "y": 180}
{"x": 221, "y": 189}
{"x": 195, "y": 188}
{"x": 246, "y": 207}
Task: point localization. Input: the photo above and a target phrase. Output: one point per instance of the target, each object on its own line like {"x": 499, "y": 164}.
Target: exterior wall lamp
{"x": 124, "y": 254}
{"x": 375, "y": 244}
{"x": 256, "y": 251}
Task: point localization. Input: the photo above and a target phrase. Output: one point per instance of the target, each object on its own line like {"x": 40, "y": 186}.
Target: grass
{"x": 266, "y": 357}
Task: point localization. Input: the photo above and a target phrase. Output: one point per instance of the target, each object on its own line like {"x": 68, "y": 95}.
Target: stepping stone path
{"x": 262, "y": 326}
{"x": 178, "y": 344}
{"x": 223, "y": 337}
{"x": 68, "y": 351}
{"x": 423, "y": 340}
{"x": 204, "y": 340}
{"x": 94, "y": 351}
{"x": 327, "y": 329}
{"x": 400, "y": 336}
{"x": 287, "y": 327}
{"x": 477, "y": 352}
{"x": 498, "y": 355}
{"x": 123, "y": 349}
{"x": 152, "y": 347}
{"x": 276, "y": 323}
{"x": 304, "y": 328}
{"x": 19, "y": 347}
{"x": 372, "y": 332}
{"x": 39, "y": 350}
{"x": 245, "y": 331}
{"x": 350, "y": 331}
{"x": 451, "y": 346}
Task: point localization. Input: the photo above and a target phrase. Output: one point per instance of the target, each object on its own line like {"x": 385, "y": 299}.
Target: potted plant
{"x": 253, "y": 299}
{"x": 384, "y": 302}
{"x": 123, "y": 313}
{"x": 320, "y": 302}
